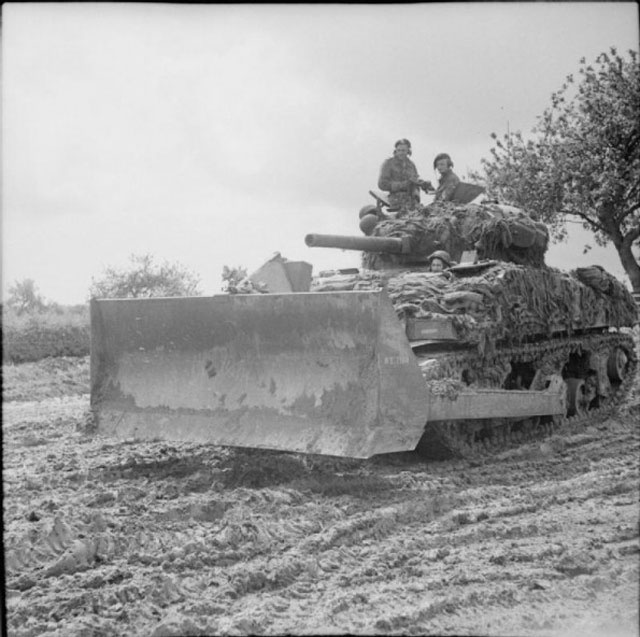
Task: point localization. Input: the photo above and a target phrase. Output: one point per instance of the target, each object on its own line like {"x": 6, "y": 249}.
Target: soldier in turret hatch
{"x": 399, "y": 177}
{"x": 448, "y": 179}
{"x": 439, "y": 261}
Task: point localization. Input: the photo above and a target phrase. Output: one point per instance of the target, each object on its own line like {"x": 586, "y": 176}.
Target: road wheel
{"x": 578, "y": 397}
{"x": 617, "y": 364}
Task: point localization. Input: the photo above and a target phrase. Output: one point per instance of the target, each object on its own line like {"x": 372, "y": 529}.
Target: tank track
{"x": 468, "y": 368}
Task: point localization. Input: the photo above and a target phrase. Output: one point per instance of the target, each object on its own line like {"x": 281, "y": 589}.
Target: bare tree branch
{"x": 587, "y": 219}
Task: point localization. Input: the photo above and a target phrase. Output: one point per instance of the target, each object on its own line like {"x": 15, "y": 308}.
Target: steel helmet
{"x": 443, "y": 255}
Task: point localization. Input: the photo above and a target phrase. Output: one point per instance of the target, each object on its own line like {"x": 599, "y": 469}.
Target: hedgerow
{"x": 32, "y": 336}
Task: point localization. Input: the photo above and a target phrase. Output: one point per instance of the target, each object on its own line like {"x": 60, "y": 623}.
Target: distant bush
{"x": 31, "y": 336}
{"x": 145, "y": 278}
{"x": 24, "y": 297}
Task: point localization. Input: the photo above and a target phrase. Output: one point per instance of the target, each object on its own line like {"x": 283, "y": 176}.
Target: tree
{"x": 232, "y": 277}
{"x": 144, "y": 278}
{"x": 236, "y": 281}
{"x": 582, "y": 161}
{"x": 24, "y": 297}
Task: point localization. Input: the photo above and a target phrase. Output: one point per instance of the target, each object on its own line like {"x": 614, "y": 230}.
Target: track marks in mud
{"x": 154, "y": 538}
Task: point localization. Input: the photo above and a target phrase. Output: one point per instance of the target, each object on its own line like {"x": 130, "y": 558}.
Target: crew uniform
{"x": 446, "y": 186}
{"x": 395, "y": 176}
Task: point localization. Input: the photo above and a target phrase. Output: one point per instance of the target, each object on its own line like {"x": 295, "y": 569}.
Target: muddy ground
{"x": 108, "y": 537}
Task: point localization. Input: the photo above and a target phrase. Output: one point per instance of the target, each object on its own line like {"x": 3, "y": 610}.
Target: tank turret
{"x": 490, "y": 231}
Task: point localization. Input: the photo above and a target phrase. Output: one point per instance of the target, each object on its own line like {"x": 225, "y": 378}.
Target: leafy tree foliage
{"x": 145, "y": 278}
{"x": 24, "y": 297}
{"x": 582, "y": 161}
{"x": 232, "y": 277}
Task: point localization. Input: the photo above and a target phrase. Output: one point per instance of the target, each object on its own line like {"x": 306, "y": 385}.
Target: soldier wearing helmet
{"x": 448, "y": 179}
{"x": 439, "y": 261}
{"x": 399, "y": 177}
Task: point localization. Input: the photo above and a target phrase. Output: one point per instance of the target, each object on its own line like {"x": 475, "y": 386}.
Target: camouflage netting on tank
{"x": 365, "y": 280}
{"x": 599, "y": 279}
{"x": 505, "y": 302}
{"x": 495, "y": 231}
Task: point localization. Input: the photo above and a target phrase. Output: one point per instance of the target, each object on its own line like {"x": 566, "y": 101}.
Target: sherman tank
{"x": 499, "y": 318}
{"x": 383, "y": 358}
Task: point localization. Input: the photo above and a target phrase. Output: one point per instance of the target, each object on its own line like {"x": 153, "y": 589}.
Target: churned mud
{"x": 110, "y": 537}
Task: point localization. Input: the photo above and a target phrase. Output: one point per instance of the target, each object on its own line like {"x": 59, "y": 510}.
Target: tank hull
{"x": 507, "y": 327}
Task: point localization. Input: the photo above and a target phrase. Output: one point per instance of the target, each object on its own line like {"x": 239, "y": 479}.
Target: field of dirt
{"x": 108, "y": 537}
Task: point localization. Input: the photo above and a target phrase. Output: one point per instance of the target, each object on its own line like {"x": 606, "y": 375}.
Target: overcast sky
{"x": 217, "y": 135}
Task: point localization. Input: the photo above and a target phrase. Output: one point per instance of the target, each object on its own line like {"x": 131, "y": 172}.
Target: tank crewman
{"x": 439, "y": 261}
{"x": 399, "y": 177}
{"x": 448, "y": 179}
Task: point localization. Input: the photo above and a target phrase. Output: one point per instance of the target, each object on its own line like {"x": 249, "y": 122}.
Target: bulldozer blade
{"x": 320, "y": 373}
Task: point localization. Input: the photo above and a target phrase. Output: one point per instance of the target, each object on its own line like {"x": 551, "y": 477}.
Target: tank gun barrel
{"x": 393, "y": 245}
